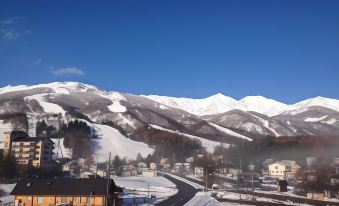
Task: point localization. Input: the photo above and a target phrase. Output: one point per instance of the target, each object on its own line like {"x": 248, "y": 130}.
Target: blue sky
{"x": 285, "y": 50}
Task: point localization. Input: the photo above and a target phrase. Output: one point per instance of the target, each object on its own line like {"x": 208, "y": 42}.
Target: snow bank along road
{"x": 186, "y": 193}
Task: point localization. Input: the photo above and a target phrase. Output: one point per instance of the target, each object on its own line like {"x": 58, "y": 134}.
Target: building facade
{"x": 76, "y": 192}
{"x": 29, "y": 151}
{"x": 285, "y": 169}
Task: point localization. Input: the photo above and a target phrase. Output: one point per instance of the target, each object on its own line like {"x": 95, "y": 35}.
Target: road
{"x": 184, "y": 194}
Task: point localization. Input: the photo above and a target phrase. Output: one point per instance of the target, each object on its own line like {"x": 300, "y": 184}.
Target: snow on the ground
{"x": 7, "y": 199}
{"x": 208, "y": 144}
{"x": 111, "y": 140}
{"x": 315, "y": 119}
{"x": 47, "y": 106}
{"x": 203, "y": 198}
{"x": 290, "y": 194}
{"x": 237, "y": 196}
{"x": 159, "y": 186}
{"x": 230, "y": 132}
{"x": 193, "y": 184}
{"x": 116, "y": 107}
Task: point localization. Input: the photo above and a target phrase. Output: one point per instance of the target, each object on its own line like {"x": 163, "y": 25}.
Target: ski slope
{"x": 111, "y": 140}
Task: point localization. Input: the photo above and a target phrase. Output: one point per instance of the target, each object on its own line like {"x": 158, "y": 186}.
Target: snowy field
{"x": 236, "y": 196}
{"x": 159, "y": 186}
{"x": 204, "y": 199}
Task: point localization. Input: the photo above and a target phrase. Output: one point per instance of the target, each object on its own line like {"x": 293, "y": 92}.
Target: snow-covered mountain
{"x": 220, "y": 103}
{"x": 140, "y": 118}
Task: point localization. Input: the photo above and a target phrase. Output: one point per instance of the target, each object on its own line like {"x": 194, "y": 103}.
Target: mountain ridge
{"x": 251, "y": 117}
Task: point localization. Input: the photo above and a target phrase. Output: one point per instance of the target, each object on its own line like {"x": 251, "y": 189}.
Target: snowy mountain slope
{"x": 216, "y": 118}
{"x": 211, "y": 105}
{"x": 219, "y": 103}
{"x": 261, "y": 105}
{"x": 319, "y": 101}
{"x": 111, "y": 140}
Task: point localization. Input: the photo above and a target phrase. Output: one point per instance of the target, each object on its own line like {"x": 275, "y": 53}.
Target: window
{"x": 79, "y": 200}
{"x": 276, "y": 167}
{"x": 29, "y": 197}
{"x": 63, "y": 199}
{"x": 40, "y": 200}
{"x": 88, "y": 200}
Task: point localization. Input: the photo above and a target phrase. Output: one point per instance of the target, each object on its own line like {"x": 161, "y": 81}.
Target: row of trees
{"x": 294, "y": 148}
{"x": 8, "y": 168}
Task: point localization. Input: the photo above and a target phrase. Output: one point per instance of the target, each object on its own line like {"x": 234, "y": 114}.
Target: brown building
{"x": 56, "y": 191}
{"x": 34, "y": 151}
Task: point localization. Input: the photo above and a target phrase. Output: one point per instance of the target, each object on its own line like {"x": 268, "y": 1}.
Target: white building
{"x": 199, "y": 171}
{"x": 285, "y": 169}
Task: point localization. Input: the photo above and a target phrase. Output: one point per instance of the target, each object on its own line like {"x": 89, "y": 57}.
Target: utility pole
{"x": 148, "y": 188}
{"x": 251, "y": 167}
{"x": 206, "y": 172}
{"x": 108, "y": 177}
{"x": 96, "y": 169}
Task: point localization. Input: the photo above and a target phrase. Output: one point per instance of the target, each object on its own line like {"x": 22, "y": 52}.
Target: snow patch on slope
{"x": 116, "y": 107}
{"x": 315, "y": 119}
{"x": 47, "y": 106}
{"x": 331, "y": 121}
{"x": 230, "y": 132}
{"x": 208, "y": 144}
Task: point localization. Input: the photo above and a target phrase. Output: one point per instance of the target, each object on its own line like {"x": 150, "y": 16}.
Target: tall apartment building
{"x": 34, "y": 151}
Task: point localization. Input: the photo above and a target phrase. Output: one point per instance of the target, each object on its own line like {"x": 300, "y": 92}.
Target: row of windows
{"x": 63, "y": 199}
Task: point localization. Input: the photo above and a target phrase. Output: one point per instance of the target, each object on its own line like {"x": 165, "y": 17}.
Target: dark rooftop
{"x": 63, "y": 186}
{"x": 31, "y": 139}
{"x": 17, "y": 134}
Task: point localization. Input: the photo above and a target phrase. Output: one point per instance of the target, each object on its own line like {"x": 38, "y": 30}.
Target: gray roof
{"x": 63, "y": 186}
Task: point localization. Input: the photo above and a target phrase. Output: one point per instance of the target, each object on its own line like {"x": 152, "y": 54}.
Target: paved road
{"x": 185, "y": 193}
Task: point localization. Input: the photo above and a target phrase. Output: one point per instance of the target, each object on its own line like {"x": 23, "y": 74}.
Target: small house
{"x": 129, "y": 170}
